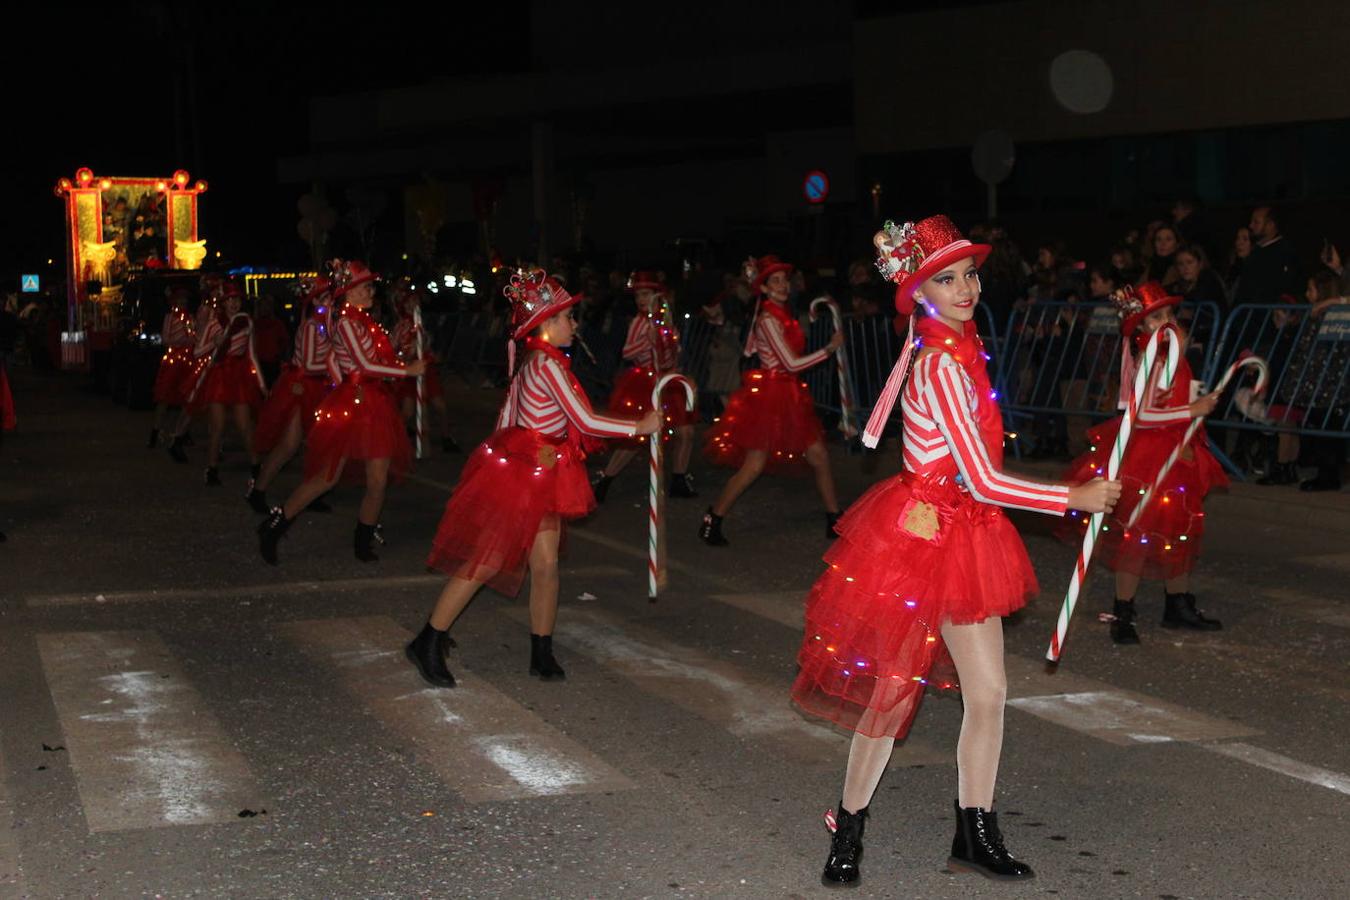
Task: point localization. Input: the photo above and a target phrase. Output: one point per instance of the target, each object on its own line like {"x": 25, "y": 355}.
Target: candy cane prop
{"x": 1141, "y": 381}
{"x": 1262, "y": 374}
{"x": 421, "y": 415}
{"x": 846, "y": 407}
{"x": 656, "y": 524}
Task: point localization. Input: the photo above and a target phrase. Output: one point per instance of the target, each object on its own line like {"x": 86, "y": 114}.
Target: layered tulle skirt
{"x": 357, "y": 421}
{"x": 1165, "y": 541}
{"x": 231, "y": 381}
{"x": 515, "y": 483}
{"x": 406, "y": 388}
{"x": 295, "y": 392}
{"x": 632, "y": 398}
{"x": 912, "y": 555}
{"x": 176, "y": 376}
{"x": 772, "y": 412}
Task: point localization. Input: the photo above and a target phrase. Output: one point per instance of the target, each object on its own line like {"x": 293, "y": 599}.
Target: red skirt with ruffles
{"x": 632, "y": 398}
{"x": 177, "y": 375}
{"x": 231, "y": 382}
{"x": 772, "y": 412}
{"x": 406, "y": 388}
{"x": 294, "y": 392}
{"x": 1165, "y": 542}
{"x": 913, "y": 554}
{"x": 357, "y": 421}
{"x": 512, "y": 486}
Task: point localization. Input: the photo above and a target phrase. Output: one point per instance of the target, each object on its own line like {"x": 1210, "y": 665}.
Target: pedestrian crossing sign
{"x": 30, "y": 284}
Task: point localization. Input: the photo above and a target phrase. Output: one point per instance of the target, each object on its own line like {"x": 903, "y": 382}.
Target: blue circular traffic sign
{"x": 816, "y": 186}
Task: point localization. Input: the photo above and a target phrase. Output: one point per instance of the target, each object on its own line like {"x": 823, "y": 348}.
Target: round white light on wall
{"x": 1081, "y": 81}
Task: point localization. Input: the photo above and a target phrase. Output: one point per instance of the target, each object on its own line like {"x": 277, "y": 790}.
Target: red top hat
{"x": 232, "y": 289}
{"x": 759, "y": 270}
{"x": 1133, "y": 304}
{"x": 347, "y": 274}
{"x": 535, "y": 296}
{"x": 645, "y": 280}
{"x": 913, "y": 252}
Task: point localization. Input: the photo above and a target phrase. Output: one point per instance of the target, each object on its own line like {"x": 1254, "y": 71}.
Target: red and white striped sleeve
{"x": 311, "y": 357}
{"x": 639, "y": 345}
{"x": 359, "y": 344}
{"x": 209, "y": 339}
{"x": 947, "y": 392}
{"x": 578, "y": 409}
{"x": 1153, "y": 414}
{"x": 402, "y": 336}
{"x": 772, "y": 332}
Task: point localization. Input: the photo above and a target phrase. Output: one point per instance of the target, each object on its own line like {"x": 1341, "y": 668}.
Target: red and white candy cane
{"x": 846, "y": 407}
{"x": 421, "y": 413}
{"x": 1141, "y": 381}
{"x": 656, "y": 562}
{"x": 1262, "y": 374}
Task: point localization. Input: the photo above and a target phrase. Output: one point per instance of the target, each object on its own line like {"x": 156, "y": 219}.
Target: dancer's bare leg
{"x": 977, "y": 651}
{"x": 282, "y": 453}
{"x": 819, "y": 459}
{"x": 745, "y": 476}
{"x": 544, "y": 577}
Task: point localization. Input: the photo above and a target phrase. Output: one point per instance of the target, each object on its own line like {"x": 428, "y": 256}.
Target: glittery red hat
{"x": 645, "y": 280}
{"x": 347, "y": 274}
{"x": 232, "y": 289}
{"x": 759, "y": 270}
{"x": 535, "y": 296}
{"x": 1133, "y": 304}
{"x": 911, "y": 253}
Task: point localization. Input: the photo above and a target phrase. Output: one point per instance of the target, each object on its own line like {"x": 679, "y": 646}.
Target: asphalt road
{"x": 180, "y": 720}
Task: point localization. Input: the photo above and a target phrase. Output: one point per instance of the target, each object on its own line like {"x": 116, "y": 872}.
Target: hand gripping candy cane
{"x": 1136, "y": 399}
{"x": 421, "y": 415}
{"x": 1262, "y": 374}
{"x": 656, "y": 559}
{"x": 846, "y": 425}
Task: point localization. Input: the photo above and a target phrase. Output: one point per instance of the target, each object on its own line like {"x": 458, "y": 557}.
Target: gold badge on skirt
{"x": 920, "y": 519}
{"x": 297, "y": 389}
{"x": 548, "y": 457}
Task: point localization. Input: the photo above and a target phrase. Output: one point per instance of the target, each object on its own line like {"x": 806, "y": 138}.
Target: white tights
{"x": 977, "y": 651}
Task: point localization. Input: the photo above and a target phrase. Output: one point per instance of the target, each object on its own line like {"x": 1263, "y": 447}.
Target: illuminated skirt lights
{"x": 912, "y": 555}
{"x": 1165, "y": 542}
{"x": 229, "y": 382}
{"x": 294, "y": 392}
{"x": 632, "y": 398}
{"x": 357, "y": 422}
{"x": 176, "y": 376}
{"x": 515, "y": 483}
{"x": 772, "y": 412}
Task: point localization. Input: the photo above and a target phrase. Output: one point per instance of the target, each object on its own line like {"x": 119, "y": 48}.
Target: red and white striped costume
{"x": 178, "y": 330}
{"x": 651, "y": 346}
{"x": 178, "y": 368}
{"x": 301, "y": 388}
{"x": 404, "y": 339}
{"x": 548, "y": 400}
{"x": 354, "y": 347}
{"x": 769, "y": 341}
{"x": 651, "y": 350}
{"x": 312, "y": 348}
{"x": 232, "y": 376}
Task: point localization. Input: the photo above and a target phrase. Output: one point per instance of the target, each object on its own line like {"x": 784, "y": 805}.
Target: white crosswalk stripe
{"x": 144, "y": 746}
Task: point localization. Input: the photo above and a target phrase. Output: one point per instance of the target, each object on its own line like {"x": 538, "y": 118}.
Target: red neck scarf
{"x": 792, "y": 329}
{"x": 968, "y": 350}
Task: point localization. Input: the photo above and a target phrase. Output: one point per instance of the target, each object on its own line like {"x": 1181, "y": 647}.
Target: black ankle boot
{"x": 212, "y": 476}
{"x": 681, "y": 485}
{"x": 601, "y": 487}
{"x": 542, "y": 662}
{"x": 270, "y": 533}
{"x": 362, "y": 541}
{"x": 257, "y": 499}
{"x": 427, "y": 652}
{"x": 1122, "y": 627}
{"x": 176, "y": 449}
{"x": 711, "y": 530}
{"x": 978, "y": 847}
{"x": 448, "y": 445}
{"x": 1180, "y": 612}
{"x": 846, "y": 849}
{"x": 154, "y": 439}
{"x": 831, "y": 519}
{"x": 1280, "y": 473}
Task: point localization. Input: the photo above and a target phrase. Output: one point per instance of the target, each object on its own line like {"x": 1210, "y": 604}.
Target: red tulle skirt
{"x": 8, "y": 420}
{"x": 513, "y": 484}
{"x": 231, "y": 381}
{"x": 632, "y": 398}
{"x": 295, "y": 392}
{"x": 357, "y": 421}
{"x": 1166, "y": 540}
{"x": 912, "y": 555}
{"x": 177, "y": 375}
{"x": 772, "y": 412}
{"x": 406, "y": 388}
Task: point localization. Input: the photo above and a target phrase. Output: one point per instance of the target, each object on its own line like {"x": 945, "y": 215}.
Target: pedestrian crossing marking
{"x": 1120, "y": 717}
{"x": 484, "y": 745}
{"x": 1284, "y": 765}
{"x": 144, "y": 746}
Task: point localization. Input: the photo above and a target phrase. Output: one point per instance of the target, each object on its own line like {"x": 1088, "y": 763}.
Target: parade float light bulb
{"x": 468, "y": 289}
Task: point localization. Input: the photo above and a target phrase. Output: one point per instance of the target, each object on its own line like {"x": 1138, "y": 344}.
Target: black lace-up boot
{"x": 978, "y": 847}
{"x": 176, "y": 449}
{"x": 601, "y": 487}
{"x": 212, "y": 476}
{"x": 681, "y": 485}
{"x": 1180, "y": 612}
{"x": 427, "y": 652}
{"x": 1122, "y": 626}
{"x": 846, "y": 849}
{"x": 711, "y": 530}
{"x": 542, "y": 662}
{"x": 831, "y": 519}
{"x": 270, "y": 532}
{"x": 362, "y": 542}
{"x": 257, "y": 499}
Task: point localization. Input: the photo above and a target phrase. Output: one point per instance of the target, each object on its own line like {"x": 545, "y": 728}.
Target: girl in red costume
{"x": 231, "y": 380}
{"x": 212, "y": 292}
{"x": 357, "y": 433}
{"x": 770, "y": 423}
{"x": 651, "y": 349}
{"x": 1165, "y": 542}
{"x": 176, "y": 374}
{"x": 405, "y": 298}
{"x": 507, "y": 510}
{"x": 927, "y": 563}
{"x": 289, "y": 411}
